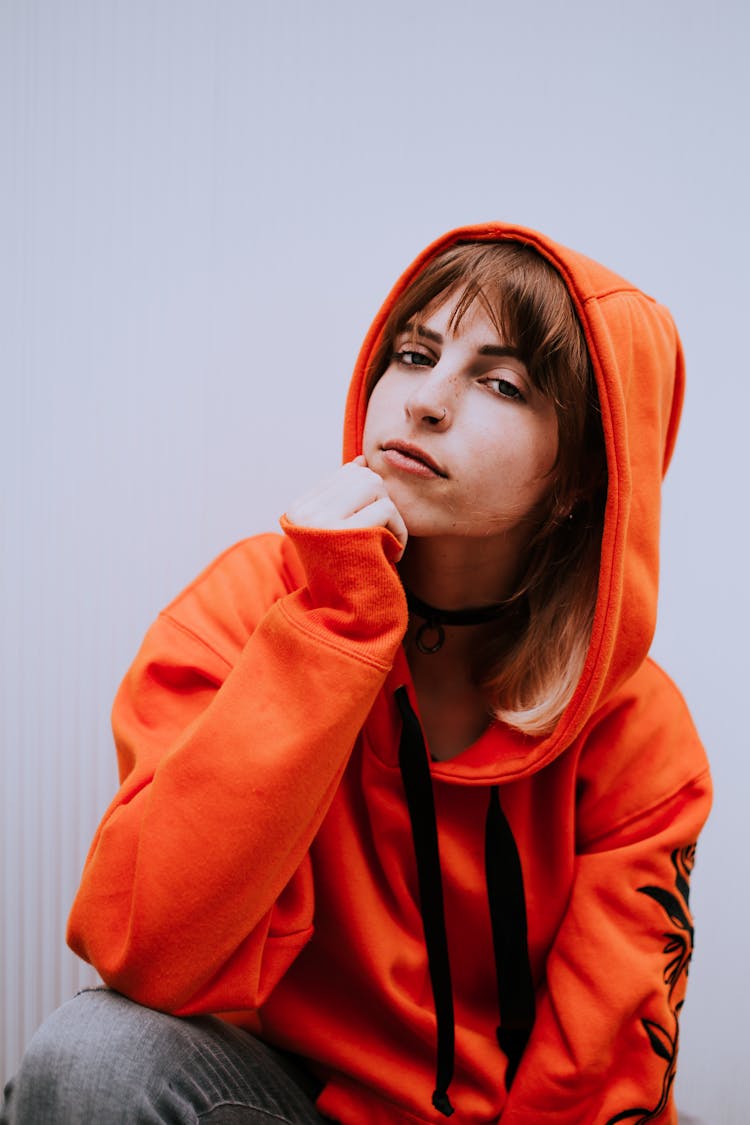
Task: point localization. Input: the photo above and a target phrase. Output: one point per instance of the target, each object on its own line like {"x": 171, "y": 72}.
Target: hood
{"x": 639, "y": 369}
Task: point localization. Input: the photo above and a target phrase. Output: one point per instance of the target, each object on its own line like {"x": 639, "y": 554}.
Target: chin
{"x": 431, "y": 529}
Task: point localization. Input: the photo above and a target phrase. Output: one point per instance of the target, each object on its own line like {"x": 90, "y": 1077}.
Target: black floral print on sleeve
{"x": 664, "y": 1041}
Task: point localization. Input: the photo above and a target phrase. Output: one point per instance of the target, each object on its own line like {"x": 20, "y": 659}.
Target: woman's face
{"x": 459, "y": 434}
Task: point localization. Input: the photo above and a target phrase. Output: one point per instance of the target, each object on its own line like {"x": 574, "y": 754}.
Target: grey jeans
{"x": 103, "y": 1060}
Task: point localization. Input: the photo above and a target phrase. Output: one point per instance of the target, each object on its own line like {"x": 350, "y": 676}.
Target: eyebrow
{"x": 504, "y": 351}
{"x": 501, "y": 350}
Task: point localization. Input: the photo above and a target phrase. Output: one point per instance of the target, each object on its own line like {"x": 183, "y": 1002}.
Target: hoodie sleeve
{"x": 605, "y": 1041}
{"x": 233, "y": 728}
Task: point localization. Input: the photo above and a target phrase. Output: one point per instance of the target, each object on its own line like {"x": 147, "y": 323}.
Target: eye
{"x": 409, "y": 357}
{"x": 505, "y": 388}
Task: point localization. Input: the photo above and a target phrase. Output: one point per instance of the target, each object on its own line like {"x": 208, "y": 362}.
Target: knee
{"x": 77, "y": 1066}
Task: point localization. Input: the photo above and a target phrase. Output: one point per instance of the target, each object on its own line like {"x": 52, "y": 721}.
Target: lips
{"x": 412, "y": 454}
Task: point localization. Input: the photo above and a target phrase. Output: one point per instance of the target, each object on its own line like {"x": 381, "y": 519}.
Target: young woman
{"x": 403, "y": 801}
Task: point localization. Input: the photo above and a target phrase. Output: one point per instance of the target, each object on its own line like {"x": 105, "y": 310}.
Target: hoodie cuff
{"x": 353, "y": 593}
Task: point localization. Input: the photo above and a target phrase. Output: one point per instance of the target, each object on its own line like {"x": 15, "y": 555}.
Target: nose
{"x": 431, "y": 402}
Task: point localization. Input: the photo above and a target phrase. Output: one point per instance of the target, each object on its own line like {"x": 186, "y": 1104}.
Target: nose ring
{"x": 442, "y": 416}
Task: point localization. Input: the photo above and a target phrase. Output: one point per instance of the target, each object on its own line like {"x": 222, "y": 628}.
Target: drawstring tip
{"x": 442, "y": 1104}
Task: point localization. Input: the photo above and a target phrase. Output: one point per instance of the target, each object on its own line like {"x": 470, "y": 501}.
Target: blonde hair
{"x": 532, "y": 666}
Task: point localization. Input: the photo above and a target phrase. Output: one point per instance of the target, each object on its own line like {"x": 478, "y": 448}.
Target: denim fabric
{"x": 103, "y": 1060}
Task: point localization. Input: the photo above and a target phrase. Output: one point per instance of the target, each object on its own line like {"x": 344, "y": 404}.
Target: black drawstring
{"x": 515, "y": 987}
{"x": 507, "y": 905}
{"x": 415, "y": 773}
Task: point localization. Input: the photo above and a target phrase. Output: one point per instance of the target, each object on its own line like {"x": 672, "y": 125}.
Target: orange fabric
{"x": 257, "y": 860}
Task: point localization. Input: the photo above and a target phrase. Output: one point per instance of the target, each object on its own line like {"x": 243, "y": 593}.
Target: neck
{"x": 454, "y": 574}
{"x": 453, "y": 708}
{"x": 430, "y": 634}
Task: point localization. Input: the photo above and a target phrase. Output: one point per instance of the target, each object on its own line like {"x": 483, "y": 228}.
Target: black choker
{"x": 435, "y": 619}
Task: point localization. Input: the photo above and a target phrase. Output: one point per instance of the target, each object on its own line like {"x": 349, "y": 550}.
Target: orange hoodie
{"x": 272, "y": 854}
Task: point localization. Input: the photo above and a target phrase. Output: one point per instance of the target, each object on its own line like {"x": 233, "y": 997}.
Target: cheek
{"x": 547, "y": 459}
{"x": 529, "y": 460}
{"x": 379, "y": 408}
{"x": 372, "y": 422}
{"x": 370, "y": 417}
{"x": 544, "y": 446}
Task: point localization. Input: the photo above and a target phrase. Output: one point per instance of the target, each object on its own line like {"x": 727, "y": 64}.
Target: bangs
{"x": 524, "y": 298}
{"x": 472, "y": 293}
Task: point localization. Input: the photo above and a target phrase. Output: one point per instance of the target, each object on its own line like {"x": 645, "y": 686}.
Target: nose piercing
{"x": 442, "y": 416}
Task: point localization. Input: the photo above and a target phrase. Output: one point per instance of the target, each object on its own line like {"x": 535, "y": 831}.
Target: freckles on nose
{"x": 436, "y": 391}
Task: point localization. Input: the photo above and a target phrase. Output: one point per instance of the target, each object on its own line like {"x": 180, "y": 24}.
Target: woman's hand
{"x": 354, "y": 496}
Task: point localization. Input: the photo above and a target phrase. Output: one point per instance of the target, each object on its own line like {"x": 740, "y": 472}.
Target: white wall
{"x": 201, "y": 205}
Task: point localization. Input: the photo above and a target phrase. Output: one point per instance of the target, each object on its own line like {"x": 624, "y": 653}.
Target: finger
{"x": 381, "y": 513}
{"x": 337, "y": 497}
{"x": 398, "y": 527}
{"x": 342, "y": 497}
{"x": 395, "y": 523}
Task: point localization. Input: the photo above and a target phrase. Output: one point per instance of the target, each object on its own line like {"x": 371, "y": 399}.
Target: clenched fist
{"x": 353, "y": 496}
